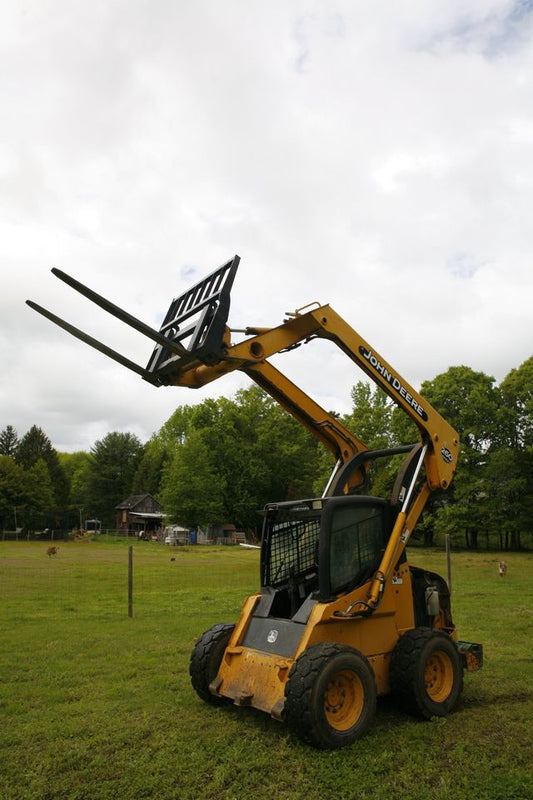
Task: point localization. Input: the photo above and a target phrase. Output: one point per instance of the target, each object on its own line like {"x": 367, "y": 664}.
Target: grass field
{"x": 95, "y": 705}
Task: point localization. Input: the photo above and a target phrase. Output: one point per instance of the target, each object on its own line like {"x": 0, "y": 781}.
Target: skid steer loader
{"x": 341, "y": 616}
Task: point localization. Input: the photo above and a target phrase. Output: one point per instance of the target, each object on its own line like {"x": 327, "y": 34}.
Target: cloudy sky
{"x": 376, "y": 156}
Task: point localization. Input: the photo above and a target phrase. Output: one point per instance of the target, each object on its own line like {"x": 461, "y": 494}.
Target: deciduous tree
{"x": 77, "y": 467}
{"x": 149, "y": 473}
{"x": 517, "y": 395}
{"x": 192, "y": 492}
{"x": 237, "y": 454}
{"x": 12, "y": 492}
{"x": 371, "y": 416}
{"x": 40, "y": 497}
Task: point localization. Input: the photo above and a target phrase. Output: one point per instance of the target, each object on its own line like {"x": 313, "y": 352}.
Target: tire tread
{"x": 205, "y": 661}
{"x": 406, "y": 673}
{"x": 300, "y": 712}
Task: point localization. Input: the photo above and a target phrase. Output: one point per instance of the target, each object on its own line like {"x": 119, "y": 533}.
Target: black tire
{"x": 426, "y": 673}
{"x": 205, "y": 661}
{"x": 330, "y": 696}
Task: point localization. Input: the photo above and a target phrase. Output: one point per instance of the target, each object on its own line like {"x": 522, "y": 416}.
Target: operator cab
{"x": 319, "y": 548}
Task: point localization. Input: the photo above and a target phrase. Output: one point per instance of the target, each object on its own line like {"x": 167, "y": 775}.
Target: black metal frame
{"x": 341, "y": 477}
{"x": 351, "y": 502}
{"x": 290, "y": 550}
{"x": 202, "y": 340}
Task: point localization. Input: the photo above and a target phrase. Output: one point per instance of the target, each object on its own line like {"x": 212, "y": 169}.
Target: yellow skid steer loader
{"x": 341, "y": 616}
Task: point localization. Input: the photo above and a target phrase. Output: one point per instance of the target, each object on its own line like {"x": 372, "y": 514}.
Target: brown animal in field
{"x": 52, "y": 551}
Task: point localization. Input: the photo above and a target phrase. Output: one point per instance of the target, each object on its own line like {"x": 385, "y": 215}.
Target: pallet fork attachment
{"x": 204, "y": 307}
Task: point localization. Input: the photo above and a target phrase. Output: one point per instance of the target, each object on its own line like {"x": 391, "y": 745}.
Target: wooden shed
{"x": 140, "y": 515}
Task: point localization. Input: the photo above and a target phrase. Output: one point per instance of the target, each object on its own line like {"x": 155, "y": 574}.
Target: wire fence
{"x": 92, "y": 580}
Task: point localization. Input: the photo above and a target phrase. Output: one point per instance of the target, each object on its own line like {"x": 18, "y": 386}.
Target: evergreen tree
{"x": 35, "y": 445}
{"x": 114, "y": 461}
{"x": 8, "y": 441}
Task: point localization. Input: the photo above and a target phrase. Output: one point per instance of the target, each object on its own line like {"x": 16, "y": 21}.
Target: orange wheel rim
{"x": 343, "y": 700}
{"x": 438, "y": 677}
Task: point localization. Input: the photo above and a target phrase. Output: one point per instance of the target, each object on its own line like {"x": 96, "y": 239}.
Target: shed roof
{"x": 130, "y": 503}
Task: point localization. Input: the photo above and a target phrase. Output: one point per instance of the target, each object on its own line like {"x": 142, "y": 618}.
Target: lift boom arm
{"x": 251, "y": 356}
{"x": 194, "y": 347}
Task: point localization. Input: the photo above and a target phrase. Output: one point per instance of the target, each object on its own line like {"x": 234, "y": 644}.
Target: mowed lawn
{"x": 95, "y": 704}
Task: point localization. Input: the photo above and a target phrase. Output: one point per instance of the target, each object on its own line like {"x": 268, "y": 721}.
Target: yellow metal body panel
{"x": 254, "y": 678}
{"x": 257, "y": 678}
{"x": 375, "y": 635}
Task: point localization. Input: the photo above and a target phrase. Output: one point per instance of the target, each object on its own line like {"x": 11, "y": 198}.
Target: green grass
{"x": 95, "y": 705}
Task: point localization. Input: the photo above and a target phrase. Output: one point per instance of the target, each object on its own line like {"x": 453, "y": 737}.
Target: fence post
{"x": 449, "y": 561}
{"x": 130, "y": 581}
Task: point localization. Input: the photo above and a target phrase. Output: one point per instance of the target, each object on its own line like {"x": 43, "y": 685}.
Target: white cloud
{"x": 374, "y": 156}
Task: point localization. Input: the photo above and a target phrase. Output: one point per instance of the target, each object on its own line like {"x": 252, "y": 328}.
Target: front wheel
{"x": 330, "y": 696}
{"x": 426, "y": 673}
{"x": 205, "y": 661}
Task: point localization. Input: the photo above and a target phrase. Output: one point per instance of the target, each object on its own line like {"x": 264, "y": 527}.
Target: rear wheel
{"x": 205, "y": 661}
{"x": 426, "y": 673}
{"x": 330, "y": 696}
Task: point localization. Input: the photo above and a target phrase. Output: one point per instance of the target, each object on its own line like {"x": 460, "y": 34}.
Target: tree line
{"x": 41, "y": 488}
{"x": 222, "y": 460}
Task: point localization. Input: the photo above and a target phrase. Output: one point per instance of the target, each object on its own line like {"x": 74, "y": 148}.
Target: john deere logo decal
{"x": 393, "y": 381}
